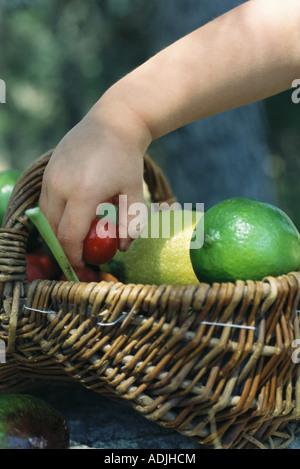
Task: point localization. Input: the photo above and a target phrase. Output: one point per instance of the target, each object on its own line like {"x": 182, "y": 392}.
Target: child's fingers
{"x": 53, "y": 212}
{"x": 73, "y": 227}
{"x": 132, "y": 216}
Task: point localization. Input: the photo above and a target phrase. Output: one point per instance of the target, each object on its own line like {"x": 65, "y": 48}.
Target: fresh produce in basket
{"x": 41, "y": 265}
{"x": 101, "y": 242}
{"x": 55, "y": 265}
{"x": 246, "y": 239}
{"x": 159, "y": 256}
{"x": 27, "y": 422}
{"x": 47, "y": 261}
{"x": 8, "y": 179}
{"x": 92, "y": 274}
{"x": 34, "y": 268}
{"x": 106, "y": 277}
{"x": 86, "y": 274}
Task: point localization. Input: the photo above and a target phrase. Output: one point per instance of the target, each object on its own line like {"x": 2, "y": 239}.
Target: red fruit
{"x": 101, "y": 242}
{"x": 42, "y": 259}
{"x": 87, "y": 274}
{"x": 34, "y": 269}
{"x": 50, "y": 265}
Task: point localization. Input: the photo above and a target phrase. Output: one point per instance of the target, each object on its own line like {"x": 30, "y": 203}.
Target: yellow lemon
{"x": 160, "y": 255}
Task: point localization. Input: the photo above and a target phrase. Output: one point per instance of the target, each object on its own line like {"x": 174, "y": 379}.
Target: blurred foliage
{"x": 58, "y": 57}
{"x": 283, "y": 124}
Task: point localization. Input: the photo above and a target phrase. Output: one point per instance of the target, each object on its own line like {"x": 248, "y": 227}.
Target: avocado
{"x": 27, "y": 422}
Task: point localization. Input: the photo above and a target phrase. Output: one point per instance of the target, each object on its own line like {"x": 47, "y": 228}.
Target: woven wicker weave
{"x": 228, "y": 387}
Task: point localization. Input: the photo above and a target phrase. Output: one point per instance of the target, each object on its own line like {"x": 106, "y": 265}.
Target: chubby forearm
{"x": 250, "y": 53}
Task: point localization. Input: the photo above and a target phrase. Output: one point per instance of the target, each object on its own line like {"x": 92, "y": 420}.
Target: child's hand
{"x": 245, "y": 55}
{"x": 99, "y": 159}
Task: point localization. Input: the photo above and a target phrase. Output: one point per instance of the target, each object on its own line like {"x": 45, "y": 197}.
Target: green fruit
{"x": 8, "y": 179}
{"x": 246, "y": 239}
{"x": 161, "y": 254}
{"x": 27, "y": 422}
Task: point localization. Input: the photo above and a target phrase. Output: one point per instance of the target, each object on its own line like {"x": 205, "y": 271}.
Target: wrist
{"x": 114, "y": 112}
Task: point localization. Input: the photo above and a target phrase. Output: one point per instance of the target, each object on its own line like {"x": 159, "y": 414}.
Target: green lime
{"x": 161, "y": 254}
{"x": 246, "y": 239}
{"x": 8, "y": 179}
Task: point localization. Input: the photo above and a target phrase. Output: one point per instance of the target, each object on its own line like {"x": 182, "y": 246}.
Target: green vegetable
{"x": 8, "y": 179}
{"x": 41, "y": 223}
{"x": 27, "y": 422}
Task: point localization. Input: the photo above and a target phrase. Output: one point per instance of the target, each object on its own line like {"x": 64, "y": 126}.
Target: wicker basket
{"x": 231, "y": 383}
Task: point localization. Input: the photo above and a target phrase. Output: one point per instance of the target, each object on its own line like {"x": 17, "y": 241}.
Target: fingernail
{"x": 127, "y": 246}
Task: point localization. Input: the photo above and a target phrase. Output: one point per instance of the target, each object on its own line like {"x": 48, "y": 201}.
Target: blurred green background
{"x": 57, "y": 57}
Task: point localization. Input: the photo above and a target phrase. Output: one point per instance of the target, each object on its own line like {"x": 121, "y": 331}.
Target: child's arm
{"x": 249, "y": 53}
